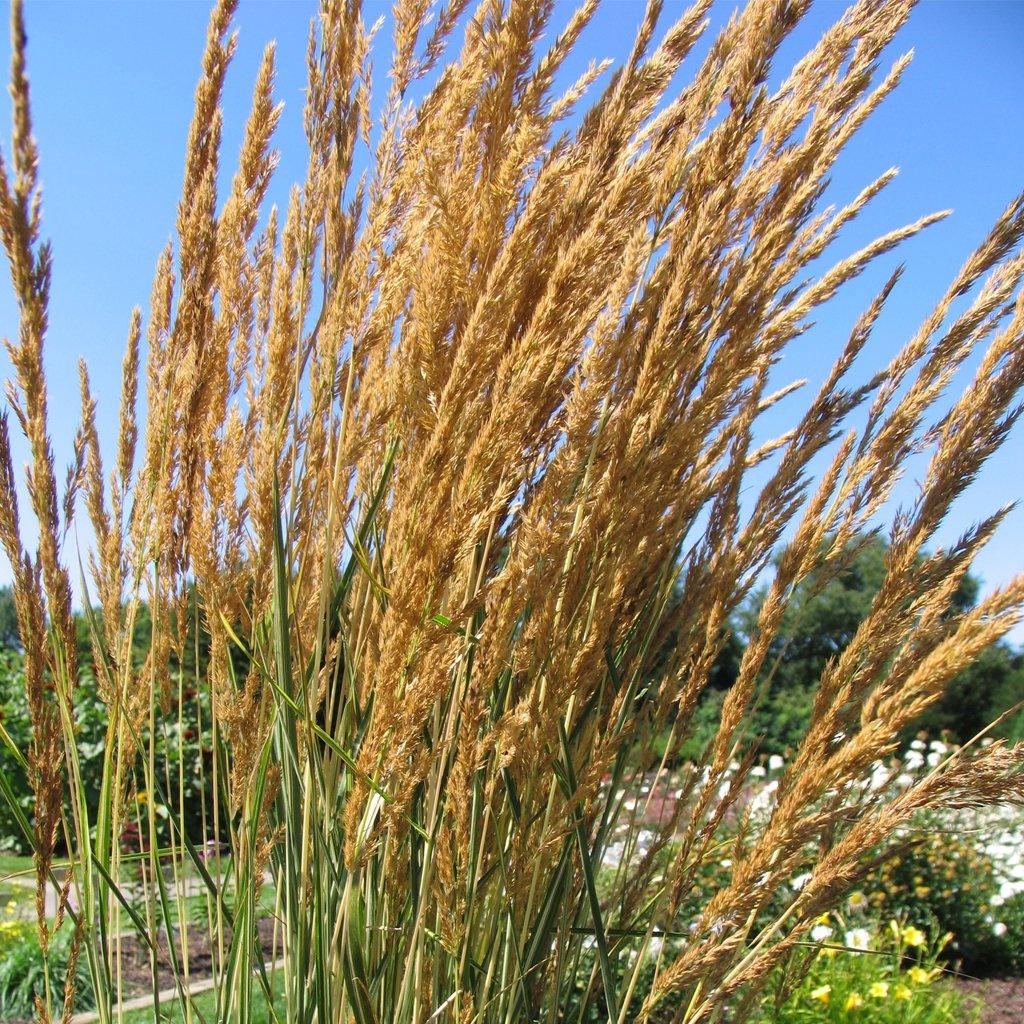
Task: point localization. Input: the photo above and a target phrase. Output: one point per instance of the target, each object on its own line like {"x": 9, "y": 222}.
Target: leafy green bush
{"x": 14, "y": 719}
{"x": 181, "y": 747}
{"x": 1008, "y": 931}
{"x": 23, "y": 971}
{"x": 944, "y": 881}
{"x": 91, "y": 719}
{"x": 962, "y": 872}
{"x": 585, "y": 1003}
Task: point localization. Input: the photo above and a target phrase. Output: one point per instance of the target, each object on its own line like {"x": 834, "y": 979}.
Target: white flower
{"x": 858, "y": 901}
{"x": 999, "y": 929}
{"x": 858, "y": 938}
{"x": 800, "y": 881}
{"x": 775, "y": 763}
{"x": 913, "y": 760}
{"x": 821, "y": 932}
{"x": 917, "y": 745}
{"x": 939, "y": 747}
{"x": 764, "y": 797}
{"x": 880, "y": 775}
{"x": 758, "y": 772}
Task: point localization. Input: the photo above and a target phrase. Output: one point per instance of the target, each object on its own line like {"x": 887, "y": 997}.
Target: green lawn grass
{"x": 206, "y": 1004}
{"x": 15, "y": 864}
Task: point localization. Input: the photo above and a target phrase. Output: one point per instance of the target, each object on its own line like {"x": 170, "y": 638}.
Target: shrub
{"x": 26, "y": 974}
{"x": 942, "y": 880}
{"x": 182, "y": 746}
{"x": 957, "y": 871}
{"x": 1008, "y": 929}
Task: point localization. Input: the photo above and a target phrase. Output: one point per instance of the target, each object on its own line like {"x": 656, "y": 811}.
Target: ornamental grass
{"x": 456, "y": 469}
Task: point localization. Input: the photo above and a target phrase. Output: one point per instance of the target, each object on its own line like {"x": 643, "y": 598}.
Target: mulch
{"x": 1001, "y": 1001}
{"x": 137, "y": 971}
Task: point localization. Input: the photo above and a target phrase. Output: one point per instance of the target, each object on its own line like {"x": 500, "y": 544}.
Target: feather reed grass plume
{"x": 434, "y": 462}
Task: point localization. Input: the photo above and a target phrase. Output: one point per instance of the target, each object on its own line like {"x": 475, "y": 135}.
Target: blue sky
{"x": 112, "y": 89}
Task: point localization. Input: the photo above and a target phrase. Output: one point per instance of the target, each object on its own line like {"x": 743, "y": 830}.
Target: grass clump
{"x": 432, "y": 462}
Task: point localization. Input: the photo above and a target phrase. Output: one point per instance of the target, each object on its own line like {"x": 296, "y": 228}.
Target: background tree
{"x": 9, "y": 638}
{"x": 818, "y": 625}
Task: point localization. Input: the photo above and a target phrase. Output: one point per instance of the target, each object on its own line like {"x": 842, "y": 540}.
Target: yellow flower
{"x": 879, "y": 990}
{"x": 854, "y": 1000}
{"x": 902, "y": 992}
{"x": 919, "y": 976}
{"x": 823, "y": 993}
{"x": 142, "y": 796}
{"x": 913, "y": 936}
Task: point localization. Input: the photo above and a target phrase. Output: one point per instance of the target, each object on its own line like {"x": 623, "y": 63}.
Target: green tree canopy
{"x": 819, "y": 623}
{"x": 9, "y": 638}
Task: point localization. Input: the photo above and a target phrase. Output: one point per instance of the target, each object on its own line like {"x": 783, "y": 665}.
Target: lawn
{"x": 206, "y": 1004}
{"x": 15, "y": 864}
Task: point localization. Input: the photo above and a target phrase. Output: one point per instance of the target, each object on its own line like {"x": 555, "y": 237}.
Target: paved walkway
{"x": 188, "y": 888}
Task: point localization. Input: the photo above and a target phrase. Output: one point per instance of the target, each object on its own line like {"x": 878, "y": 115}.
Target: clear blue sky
{"x": 112, "y": 88}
